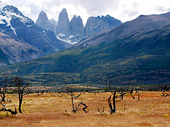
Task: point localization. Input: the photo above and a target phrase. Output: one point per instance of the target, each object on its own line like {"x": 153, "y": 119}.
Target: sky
{"x": 124, "y": 10}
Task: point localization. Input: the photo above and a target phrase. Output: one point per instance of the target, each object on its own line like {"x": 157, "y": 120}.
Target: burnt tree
{"x": 4, "y": 85}
{"x": 44, "y": 90}
{"x": 75, "y": 108}
{"x": 7, "y": 110}
{"x": 131, "y": 93}
{"x": 22, "y": 88}
{"x": 112, "y": 107}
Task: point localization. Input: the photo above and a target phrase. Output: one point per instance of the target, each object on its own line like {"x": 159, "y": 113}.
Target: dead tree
{"x": 38, "y": 92}
{"x": 44, "y": 90}
{"x": 122, "y": 93}
{"x": 58, "y": 91}
{"x": 101, "y": 111}
{"x": 75, "y": 108}
{"x": 163, "y": 93}
{"x": 131, "y": 92}
{"x": 112, "y": 108}
{"x": 138, "y": 95}
{"x": 7, "y": 110}
{"x": 21, "y": 86}
{"x": 5, "y": 85}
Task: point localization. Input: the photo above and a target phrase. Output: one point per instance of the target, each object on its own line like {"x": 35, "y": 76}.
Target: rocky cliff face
{"x": 131, "y": 29}
{"x": 97, "y": 24}
{"x": 74, "y": 31}
{"x": 63, "y": 28}
{"x": 23, "y": 30}
{"x": 54, "y": 24}
{"x": 44, "y": 22}
{"x": 77, "y": 28}
{"x": 19, "y": 27}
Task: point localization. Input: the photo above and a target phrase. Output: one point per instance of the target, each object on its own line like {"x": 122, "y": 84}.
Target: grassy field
{"x": 49, "y": 110}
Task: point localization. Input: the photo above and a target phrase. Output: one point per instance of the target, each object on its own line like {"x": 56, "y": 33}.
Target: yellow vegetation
{"x": 49, "y": 110}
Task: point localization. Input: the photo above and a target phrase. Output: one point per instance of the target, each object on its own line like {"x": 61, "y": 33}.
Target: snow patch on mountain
{"x": 8, "y": 12}
{"x": 62, "y": 38}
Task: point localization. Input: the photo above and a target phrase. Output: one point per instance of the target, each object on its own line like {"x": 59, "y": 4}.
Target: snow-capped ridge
{"x": 9, "y": 12}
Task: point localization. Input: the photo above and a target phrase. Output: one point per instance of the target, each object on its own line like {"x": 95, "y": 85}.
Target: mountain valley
{"x": 138, "y": 50}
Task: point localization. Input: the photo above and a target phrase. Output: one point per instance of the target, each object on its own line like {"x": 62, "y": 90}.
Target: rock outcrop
{"x": 77, "y": 28}
{"x": 63, "y": 28}
{"x": 27, "y": 40}
{"x": 97, "y": 24}
{"x": 74, "y": 31}
{"x": 44, "y": 22}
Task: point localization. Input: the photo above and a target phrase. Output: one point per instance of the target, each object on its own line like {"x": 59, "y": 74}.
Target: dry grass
{"x": 49, "y": 110}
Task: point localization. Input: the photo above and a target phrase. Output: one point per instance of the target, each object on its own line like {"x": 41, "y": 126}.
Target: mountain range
{"x": 74, "y": 31}
{"x": 138, "y": 50}
{"x": 21, "y": 39}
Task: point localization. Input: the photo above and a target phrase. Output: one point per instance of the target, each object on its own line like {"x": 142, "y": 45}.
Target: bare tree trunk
{"x": 73, "y": 104}
{"x": 8, "y": 110}
{"x": 21, "y": 86}
{"x": 114, "y": 103}
{"x": 3, "y": 97}
{"x": 122, "y": 95}
{"x": 20, "y": 102}
{"x": 112, "y": 108}
{"x": 131, "y": 92}
{"x": 138, "y": 95}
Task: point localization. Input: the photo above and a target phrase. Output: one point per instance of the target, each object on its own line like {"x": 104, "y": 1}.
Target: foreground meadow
{"x": 50, "y": 110}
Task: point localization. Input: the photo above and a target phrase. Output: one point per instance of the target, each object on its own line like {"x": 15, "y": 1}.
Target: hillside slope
{"x": 14, "y": 51}
{"x": 23, "y": 30}
{"x": 141, "y": 54}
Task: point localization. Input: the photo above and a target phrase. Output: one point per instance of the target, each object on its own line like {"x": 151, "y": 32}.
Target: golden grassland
{"x": 49, "y": 110}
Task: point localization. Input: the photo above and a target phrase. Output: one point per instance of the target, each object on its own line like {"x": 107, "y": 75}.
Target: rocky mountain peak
{"x": 12, "y": 19}
{"x": 63, "y": 25}
{"x": 44, "y": 22}
{"x": 12, "y": 9}
{"x": 43, "y": 16}
{"x": 97, "y": 24}
{"x": 74, "y": 31}
{"x": 77, "y": 28}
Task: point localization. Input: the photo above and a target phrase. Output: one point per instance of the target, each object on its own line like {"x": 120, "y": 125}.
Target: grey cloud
{"x": 162, "y": 9}
{"x": 93, "y": 7}
{"x": 133, "y": 13}
{"x": 97, "y": 7}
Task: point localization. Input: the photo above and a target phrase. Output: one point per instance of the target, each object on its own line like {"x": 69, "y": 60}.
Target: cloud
{"x": 133, "y": 13}
{"x": 25, "y": 9}
{"x": 83, "y": 8}
{"x": 162, "y": 8}
{"x": 121, "y": 9}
